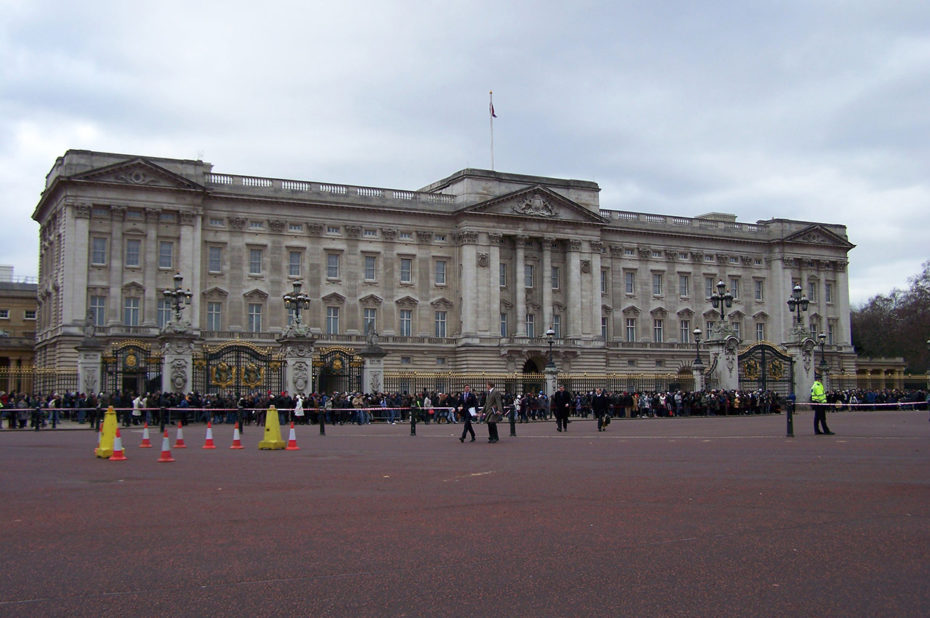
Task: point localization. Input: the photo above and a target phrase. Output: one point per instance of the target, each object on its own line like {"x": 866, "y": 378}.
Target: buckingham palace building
{"x": 479, "y": 272}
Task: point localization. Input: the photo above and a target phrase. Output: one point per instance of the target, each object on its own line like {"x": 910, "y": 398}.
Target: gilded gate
{"x": 764, "y": 367}
{"x": 237, "y": 368}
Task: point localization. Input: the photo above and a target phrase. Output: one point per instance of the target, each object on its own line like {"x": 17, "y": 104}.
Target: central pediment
{"x": 139, "y": 172}
{"x": 535, "y": 203}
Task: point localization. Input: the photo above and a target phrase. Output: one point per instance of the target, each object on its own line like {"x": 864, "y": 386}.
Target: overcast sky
{"x": 812, "y": 109}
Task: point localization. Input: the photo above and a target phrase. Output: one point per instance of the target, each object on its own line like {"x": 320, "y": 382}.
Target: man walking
{"x": 561, "y": 408}
{"x": 493, "y": 412}
{"x": 600, "y": 405}
{"x": 468, "y": 406}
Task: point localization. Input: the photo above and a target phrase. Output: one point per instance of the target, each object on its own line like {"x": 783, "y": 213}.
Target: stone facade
{"x": 466, "y": 274}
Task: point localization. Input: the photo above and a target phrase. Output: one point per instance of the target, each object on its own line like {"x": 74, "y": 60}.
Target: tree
{"x": 897, "y": 324}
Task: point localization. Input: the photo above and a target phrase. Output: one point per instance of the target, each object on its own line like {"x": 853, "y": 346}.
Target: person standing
{"x": 467, "y": 405}
{"x": 561, "y": 408}
{"x": 493, "y": 411}
{"x": 819, "y": 403}
{"x": 600, "y": 404}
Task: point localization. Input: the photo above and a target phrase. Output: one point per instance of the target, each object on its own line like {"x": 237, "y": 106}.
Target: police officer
{"x": 819, "y": 403}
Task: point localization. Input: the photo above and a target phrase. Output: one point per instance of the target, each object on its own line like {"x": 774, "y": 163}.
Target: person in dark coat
{"x": 467, "y": 402}
{"x": 561, "y": 407}
{"x": 493, "y": 411}
{"x": 600, "y": 405}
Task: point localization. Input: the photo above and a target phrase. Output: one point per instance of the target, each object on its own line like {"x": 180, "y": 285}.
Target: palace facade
{"x": 464, "y": 275}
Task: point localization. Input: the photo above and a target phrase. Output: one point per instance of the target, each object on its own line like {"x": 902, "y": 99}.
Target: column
{"x": 546, "y": 284}
{"x": 494, "y": 283}
{"x": 115, "y": 264}
{"x": 520, "y": 287}
{"x": 298, "y": 364}
{"x": 573, "y": 295}
{"x": 596, "y": 289}
{"x": 468, "y": 253}
{"x": 841, "y": 291}
{"x": 191, "y": 232}
{"x": 150, "y": 266}
{"x": 177, "y": 370}
{"x": 76, "y": 246}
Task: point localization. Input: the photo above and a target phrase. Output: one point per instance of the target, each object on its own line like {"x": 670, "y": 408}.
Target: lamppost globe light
{"x": 550, "y": 339}
{"x": 178, "y": 297}
{"x": 296, "y": 301}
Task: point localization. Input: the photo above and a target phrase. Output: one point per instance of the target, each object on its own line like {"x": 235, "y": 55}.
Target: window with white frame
{"x": 657, "y": 329}
{"x": 440, "y": 324}
{"x": 502, "y": 276}
{"x": 604, "y": 327}
{"x": 164, "y": 312}
{"x": 709, "y": 285}
{"x": 215, "y": 259}
{"x": 255, "y": 262}
{"x": 684, "y": 330}
{"x": 831, "y": 331}
{"x": 529, "y": 272}
{"x": 604, "y": 281}
{"x": 98, "y": 251}
{"x": 812, "y": 291}
{"x": 371, "y": 263}
{"x": 828, "y": 291}
{"x": 369, "y": 319}
{"x": 98, "y": 309}
{"x": 4, "y": 314}
{"x": 439, "y": 267}
{"x": 684, "y": 285}
{"x": 736, "y": 326}
{"x": 214, "y": 315}
{"x": 657, "y": 284}
{"x": 760, "y": 331}
{"x": 556, "y": 280}
{"x": 165, "y": 254}
{"x": 293, "y": 263}
{"x": 629, "y": 282}
{"x": 734, "y": 286}
{"x": 29, "y": 314}
{"x": 758, "y": 289}
{"x": 131, "y": 311}
{"x": 255, "y": 318}
{"x": 631, "y": 329}
{"x": 406, "y": 270}
{"x": 709, "y": 326}
{"x": 557, "y": 326}
{"x": 332, "y": 320}
{"x": 504, "y": 325}
{"x": 133, "y": 252}
{"x": 406, "y": 321}
{"x": 332, "y": 265}
{"x": 530, "y": 325}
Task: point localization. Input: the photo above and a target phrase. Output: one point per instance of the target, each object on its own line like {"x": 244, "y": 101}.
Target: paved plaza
{"x": 655, "y": 517}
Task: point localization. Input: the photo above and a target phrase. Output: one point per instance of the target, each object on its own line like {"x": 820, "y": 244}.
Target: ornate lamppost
{"x": 550, "y": 339}
{"x": 822, "y": 368}
{"x": 698, "y": 367}
{"x": 722, "y": 300}
{"x": 797, "y": 303}
{"x": 178, "y": 297}
{"x": 296, "y": 301}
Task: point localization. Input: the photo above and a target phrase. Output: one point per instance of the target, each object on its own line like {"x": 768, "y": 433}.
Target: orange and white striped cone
{"x": 209, "y": 441}
{"x": 119, "y": 454}
{"x": 237, "y": 441}
{"x": 292, "y": 440}
{"x": 165, "y": 449}
{"x": 146, "y": 442}
{"x": 179, "y": 442}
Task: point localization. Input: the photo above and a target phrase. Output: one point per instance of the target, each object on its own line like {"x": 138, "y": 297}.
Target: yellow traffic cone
{"x": 272, "y": 440}
{"x": 107, "y": 435}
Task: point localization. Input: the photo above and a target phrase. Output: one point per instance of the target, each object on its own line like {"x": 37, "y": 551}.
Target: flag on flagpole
{"x": 491, "y": 105}
{"x": 493, "y": 115}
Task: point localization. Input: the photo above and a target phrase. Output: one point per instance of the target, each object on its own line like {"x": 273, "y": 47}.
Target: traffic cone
{"x": 292, "y": 440}
{"x": 209, "y": 441}
{"x": 146, "y": 443}
{"x": 165, "y": 450}
{"x": 119, "y": 454}
{"x": 179, "y": 442}
{"x": 107, "y": 434}
{"x": 237, "y": 441}
{"x": 272, "y": 439}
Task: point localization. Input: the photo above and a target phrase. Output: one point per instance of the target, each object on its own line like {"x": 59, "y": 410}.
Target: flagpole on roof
{"x": 491, "y": 117}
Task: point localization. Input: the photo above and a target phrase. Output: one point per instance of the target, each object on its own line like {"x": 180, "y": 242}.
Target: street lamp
{"x": 550, "y": 339}
{"x": 822, "y": 342}
{"x": 697, "y": 346}
{"x": 296, "y": 301}
{"x": 722, "y": 299}
{"x": 797, "y": 303}
{"x": 178, "y": 297}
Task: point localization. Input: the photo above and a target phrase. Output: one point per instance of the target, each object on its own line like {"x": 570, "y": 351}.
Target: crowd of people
{"x": 20, "y": 410}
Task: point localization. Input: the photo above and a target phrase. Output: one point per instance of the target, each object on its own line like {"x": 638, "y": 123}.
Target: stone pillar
{"x": 724, "y": 352}
{"x": 90, "y": 354}
{"x": 494, "y": 283}
{"x": 552, "y": 379}
{"x": 469, "y": 283}
{"x": 803, "y": 366}
{"x": 697, "y": 371}
{"x": 373, "y": 371}
{"x": 547, "y": 283}
{"x": 297, "y": 349}
{"x": 596, "y": 309}
{"x": 519, "y": 289}
{"x": 177, "y": 350}
{"x": 115, "y": 266}
{"x": 74, "y": 301}
{"x": 573, "y": 294}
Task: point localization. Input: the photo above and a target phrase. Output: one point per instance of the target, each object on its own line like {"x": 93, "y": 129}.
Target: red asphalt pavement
{"x": 655, "y": 517}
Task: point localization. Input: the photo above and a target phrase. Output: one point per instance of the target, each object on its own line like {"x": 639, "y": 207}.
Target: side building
{"x": 465, "y": 275}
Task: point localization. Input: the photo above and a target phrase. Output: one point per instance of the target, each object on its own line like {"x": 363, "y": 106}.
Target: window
{"x": 370, "y": 233}
{"x": 98, "y": 252}
{"x": 684, "y": 285}
{"x": 256, "y": 225}
{"x": 98, "y": 309}
{"x": 165, "y": 254}
{"x": 404, "y": 360}
{"x": 603, "y": 282}
{"x": 369, "y": 320}
{"x": 760, "y": 331}
{"x": 255, "y": 261}
{"x": 710, "y": 257}
{"x": 502, "y": 277}
{"x": 529, "y": 272}
{"x": 370, "y": 263}
{"x": 406, "y": 270}
{"x": 293, "y": 263}
{"x": 29, "y": 314}
{"x": 758, "y": 289}
{"x": 828, "y": 292}
{"x": 709, "y": 327}
{"x": 657, "y": 284}
{"x": 168, "y": 217}
{"x": 214, "y": 316}
{"x": 131, "y": 312}
{"x": 406, "y": 319}
{"x": 709, "y": 285}
{"x": 604, "y": 328}
{"x": 629, "y": 251}
{"x": 332, "y": 320}
{"x": 684, "y": 329}
{"x": 629, "y": 282}
{"x": 631, "y": 329}
{"x": 217, "y": 222}
{"x": 684, "y": 255}
{"x": 4, "y": 314}
{"x": 215, "y": 259}
{"x": 332, "y": 265}
{"x": 164, "y": 312}
{"x": 530, "y": 325}
{"x": 831, "y": 330}
{"x": 440, "y": 267}
{"x": 504, "y": 325}
{"x": 555, "y": 278}
{"x": 295, "y": 227}
{"x": 405, "y": 236}
{"x": 439, "y": 237}
{"x": 734, "y": 287}
{"x": 812, "y": 291}
{"x": 255, "y": 317}
{"x": 657, "y": 331}
{"x": 557, "y": 326}
{"x": 440, "y": 324}
{"x": 133, "y": 252}
{"x": 332, "y": 229}
{"x": 735, "y": 325}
